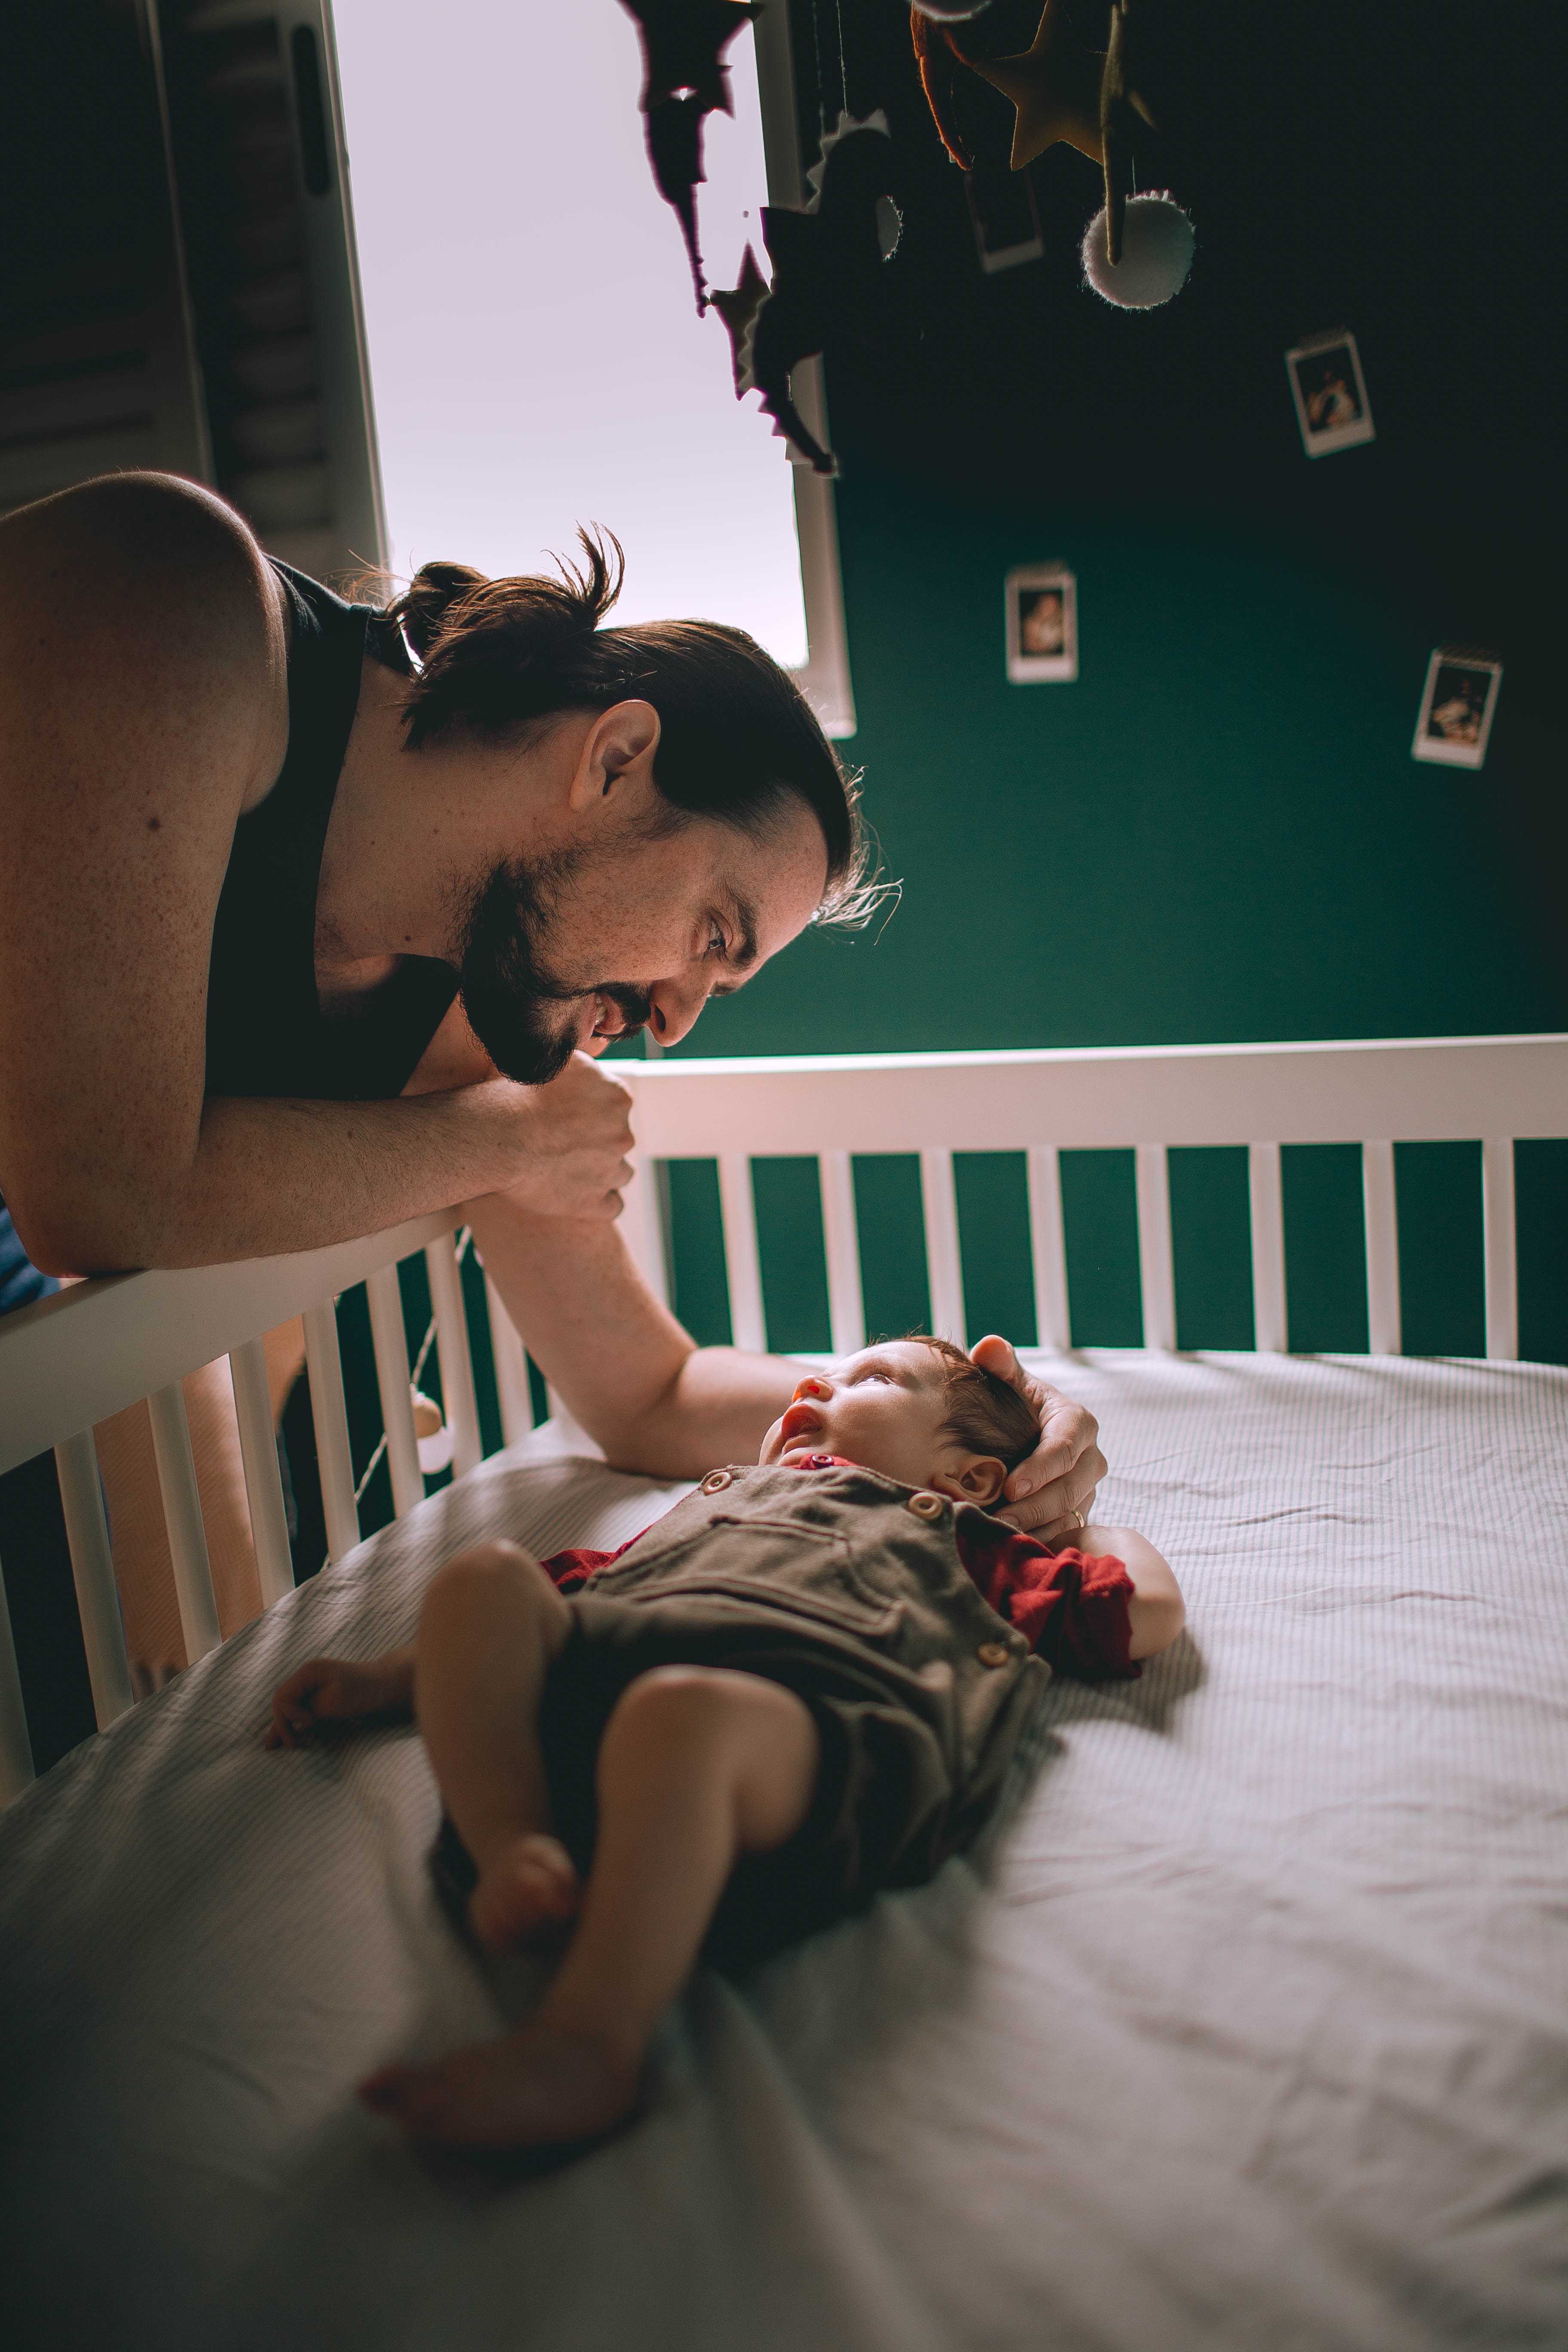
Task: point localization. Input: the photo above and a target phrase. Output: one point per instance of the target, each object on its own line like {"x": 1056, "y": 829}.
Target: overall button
{"x": 715, "y": 1482}
{"x": 926, "y": 1506}
{"x": 993, "y": 1653}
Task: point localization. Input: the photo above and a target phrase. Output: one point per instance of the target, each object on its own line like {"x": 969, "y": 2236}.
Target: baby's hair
{"x": 983, "y": 1412}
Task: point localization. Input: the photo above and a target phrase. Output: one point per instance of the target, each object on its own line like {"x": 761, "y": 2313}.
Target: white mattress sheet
{"x": 1252, "y": 2029}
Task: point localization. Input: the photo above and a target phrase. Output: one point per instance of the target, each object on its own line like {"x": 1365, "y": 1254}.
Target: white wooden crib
{"x": 69, "y": 1363}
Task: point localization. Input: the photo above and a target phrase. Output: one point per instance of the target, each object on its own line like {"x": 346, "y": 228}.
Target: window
{"x": 535, "y": 353}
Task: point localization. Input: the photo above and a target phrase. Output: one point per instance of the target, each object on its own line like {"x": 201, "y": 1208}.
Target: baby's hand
{"x": 336, "y": 1690}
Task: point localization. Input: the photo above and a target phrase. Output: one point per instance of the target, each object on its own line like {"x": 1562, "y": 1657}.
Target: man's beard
{"x": 507, "y": 986}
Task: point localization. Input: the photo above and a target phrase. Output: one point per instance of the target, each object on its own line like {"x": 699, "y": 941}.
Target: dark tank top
{"x": 267, "y": 1033}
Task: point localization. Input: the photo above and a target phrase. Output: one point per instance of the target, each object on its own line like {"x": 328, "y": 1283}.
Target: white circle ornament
{"x": 1157, "y": 247}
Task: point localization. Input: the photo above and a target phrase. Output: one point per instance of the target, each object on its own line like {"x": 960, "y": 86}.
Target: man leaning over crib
{"x": 313, "y": 913}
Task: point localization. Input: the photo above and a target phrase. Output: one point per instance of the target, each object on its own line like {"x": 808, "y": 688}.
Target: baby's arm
{"x": 1156, "y": 1611}
{"x": 337, "y": 1690}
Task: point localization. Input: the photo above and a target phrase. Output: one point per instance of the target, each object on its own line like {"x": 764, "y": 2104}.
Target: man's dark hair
{"x": 737, "y": 737}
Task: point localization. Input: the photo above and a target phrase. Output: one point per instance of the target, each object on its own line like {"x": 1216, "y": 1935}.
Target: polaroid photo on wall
{"x": 1042, "y": 624}
{"x": 1458, "y": 706}
{"x": 1329, "y": 392}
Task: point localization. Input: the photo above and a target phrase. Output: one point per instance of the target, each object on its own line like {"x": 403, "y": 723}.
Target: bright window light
{"x": 535, "y": 352}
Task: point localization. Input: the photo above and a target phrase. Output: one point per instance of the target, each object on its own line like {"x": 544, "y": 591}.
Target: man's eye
{"x": 719, "y": 946}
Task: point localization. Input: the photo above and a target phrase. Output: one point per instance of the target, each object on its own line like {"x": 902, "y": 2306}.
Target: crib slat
{"x": 1501, "y": 1248}
{"x": 263, "y": 1481}
{"x": 456, "y": 1364}
{"x": 182, "y": 1519}
{"x": 92, "y": 1571}
{"x": 510, "y": 1360}
{"x": 391, "y": 1344}
{"x": 16, "y": 1745}
{"x": 748, "y": 1324}
{"x": 1270, "y": 1325}
{"x": 1381, "y": 1248}
{"x": 643, "y": 1225}
{"x": 334, "y": 1457}
{"x": 841, "y": 1242}
{"x": 944, "y": 1263}
{"x": 1156, "y": 1268}
{"x": 1048, "y": 1248}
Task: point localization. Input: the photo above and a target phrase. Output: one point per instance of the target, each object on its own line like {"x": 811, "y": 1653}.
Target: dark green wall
{"x": 1218, "y": 832}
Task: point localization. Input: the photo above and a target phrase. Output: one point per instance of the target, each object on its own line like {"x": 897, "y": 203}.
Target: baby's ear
{"x": 981, "y": 1480}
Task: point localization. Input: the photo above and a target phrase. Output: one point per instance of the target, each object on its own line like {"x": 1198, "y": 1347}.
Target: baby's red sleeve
{"x": 569, "y": 1571}
{"x": 1074, "y": 1608}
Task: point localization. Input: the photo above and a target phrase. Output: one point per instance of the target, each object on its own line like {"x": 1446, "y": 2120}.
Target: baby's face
{"x": 883, "y": 1408}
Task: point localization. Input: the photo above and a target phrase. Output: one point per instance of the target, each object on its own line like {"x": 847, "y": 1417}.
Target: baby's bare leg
{"x": 697, "y": 1766}
{"x": 492, "y": 1622}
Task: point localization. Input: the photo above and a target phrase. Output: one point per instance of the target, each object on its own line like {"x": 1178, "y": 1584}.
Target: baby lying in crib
{"x": 801, "y": 1686}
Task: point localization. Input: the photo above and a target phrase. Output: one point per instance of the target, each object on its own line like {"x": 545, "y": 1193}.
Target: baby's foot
{"x": 527, "y": 1893}
{"x": 539, "y": 2088}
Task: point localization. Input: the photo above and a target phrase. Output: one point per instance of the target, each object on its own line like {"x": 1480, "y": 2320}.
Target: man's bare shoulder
{"x": 142, "y": 595}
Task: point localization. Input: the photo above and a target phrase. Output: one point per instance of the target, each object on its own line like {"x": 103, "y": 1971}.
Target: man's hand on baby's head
{"x": 1050, "y": 1495}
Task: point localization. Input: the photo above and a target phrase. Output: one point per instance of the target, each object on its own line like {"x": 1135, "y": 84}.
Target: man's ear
{"x": 981, "y": 1480}
{"x": 616, "y": 759}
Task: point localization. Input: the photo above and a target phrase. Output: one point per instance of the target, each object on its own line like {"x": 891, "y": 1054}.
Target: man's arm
{"x": 274, "y": 1175}
{"x": 643, "y": 1390}
{"x": 632, "y": 1375}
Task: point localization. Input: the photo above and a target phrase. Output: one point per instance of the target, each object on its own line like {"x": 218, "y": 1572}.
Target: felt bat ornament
{"x": 827, "y": 289}
{"x": 1061, "y": 90}
{"x": 685, "y": 79}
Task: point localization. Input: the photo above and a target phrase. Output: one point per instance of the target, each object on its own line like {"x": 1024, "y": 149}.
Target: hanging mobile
{"x": 1137, "y": 250}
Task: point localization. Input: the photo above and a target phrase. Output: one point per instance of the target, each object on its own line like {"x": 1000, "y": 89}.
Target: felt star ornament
{"x": 827, "y": 287}
{"x": 1055, "y": 89}
{"x": 684, "y": 79}
{"x": 738, "y": 307}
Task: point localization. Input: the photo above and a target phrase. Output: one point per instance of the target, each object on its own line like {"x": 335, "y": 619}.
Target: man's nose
{"x": 673, "y": 1008}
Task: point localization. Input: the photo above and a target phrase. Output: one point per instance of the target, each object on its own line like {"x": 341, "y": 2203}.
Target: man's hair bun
{"x": 423, "y": 606}
{"x": 452, "y": 601}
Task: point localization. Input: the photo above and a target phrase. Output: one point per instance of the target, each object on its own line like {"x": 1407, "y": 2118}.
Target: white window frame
{"x": 824, "y": 682}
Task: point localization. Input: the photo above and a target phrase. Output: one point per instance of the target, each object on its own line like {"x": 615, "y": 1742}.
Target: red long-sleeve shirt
{"x": 1075, "y": 1609}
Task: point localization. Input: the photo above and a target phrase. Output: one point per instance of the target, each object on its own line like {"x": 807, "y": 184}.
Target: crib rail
{"x": 1491, "y": 1090}
{"x": 73, "y": 1360}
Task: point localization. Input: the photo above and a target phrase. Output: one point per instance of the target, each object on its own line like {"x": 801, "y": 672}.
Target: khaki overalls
{"x": 848, "y": 1589}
